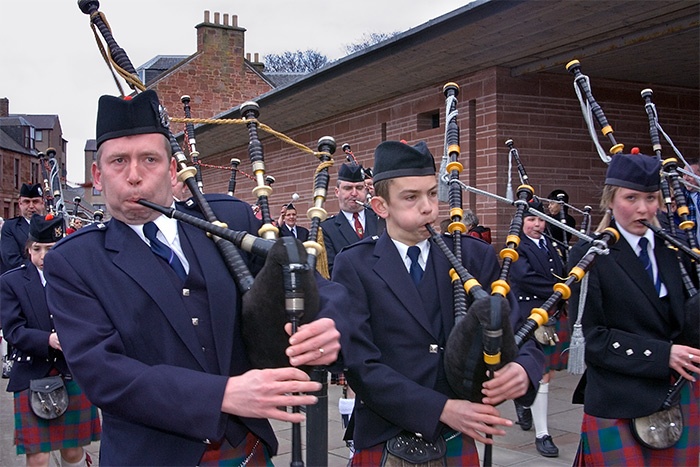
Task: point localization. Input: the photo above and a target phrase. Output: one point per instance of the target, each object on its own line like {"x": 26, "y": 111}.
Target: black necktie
{"x": 150, "y": 230}
{"x": 646, "y": 262}
{"x": 416, "y": 271}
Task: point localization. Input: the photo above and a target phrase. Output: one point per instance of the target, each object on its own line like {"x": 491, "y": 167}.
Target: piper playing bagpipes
{"x": 638, "y": 340}
{"x": 401, "y": 317}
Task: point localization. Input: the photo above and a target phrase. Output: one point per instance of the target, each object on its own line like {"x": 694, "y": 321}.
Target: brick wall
{"x": 539, "y": 112}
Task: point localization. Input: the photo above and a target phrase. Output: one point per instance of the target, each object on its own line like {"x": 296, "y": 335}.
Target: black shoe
{"x": 545, "y": 446}
{"x": 524, "y": 416}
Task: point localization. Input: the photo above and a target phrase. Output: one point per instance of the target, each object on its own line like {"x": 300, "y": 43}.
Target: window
{"x": 15, "y": 174}
{"x": 428, "y": 120}
{"x": 38, "y": 135}
{"x": 34, "y": 172}
{"x": 28, "y": 134}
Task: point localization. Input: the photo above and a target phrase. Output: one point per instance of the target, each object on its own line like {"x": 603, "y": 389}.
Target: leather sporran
{"x": 660, "y": 430}
{"x": 408, "y": 449}
{"x": 48, "y": 397}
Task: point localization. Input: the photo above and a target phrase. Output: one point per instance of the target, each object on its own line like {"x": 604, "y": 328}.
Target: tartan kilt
{"x": 557, "y": 356}
{"x": 251, "y": 451}
{"x": 461, "y": 451}
{"x": 78, "y": 426}
{"x": 606, "y": 441}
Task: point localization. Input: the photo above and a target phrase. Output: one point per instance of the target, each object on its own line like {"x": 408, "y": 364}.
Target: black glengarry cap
{"x": 142, "y": 114}
{"x": 394, "y": 159}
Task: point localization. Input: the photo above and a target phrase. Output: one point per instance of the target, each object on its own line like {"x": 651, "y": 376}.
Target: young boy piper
{"x": 401, "y": 320}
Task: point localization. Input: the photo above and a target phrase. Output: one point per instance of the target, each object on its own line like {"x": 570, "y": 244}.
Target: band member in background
{"x": 633, "y": 323}
{"x": 692, "y": 194}
{"x": 560, "y": 237}
{"x": 288, "y": 224}
{"x": 399, "y": 322}
{"x": 369, "y": 183}
{"x": 28, "y": 325}
{"x": 533, "y": 275}
{"x": 354, "y": 222}
{"x": 15, "y": 230}
{"x": 155, "y": 341}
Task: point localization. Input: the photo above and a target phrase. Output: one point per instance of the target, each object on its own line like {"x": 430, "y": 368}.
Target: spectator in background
{"x": 474, "y": 229}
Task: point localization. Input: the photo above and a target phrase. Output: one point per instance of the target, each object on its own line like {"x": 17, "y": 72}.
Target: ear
{"x": 173, "y": 171}
{"x": 380, "y": 206}
{"x": 96, "y": 177}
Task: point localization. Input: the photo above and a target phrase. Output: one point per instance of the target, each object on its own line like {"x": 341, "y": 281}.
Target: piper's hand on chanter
{"x": 510, "y": 382}
{"x": 261, "y": 393}
{"x": 684, "y": 359}
{"x": 474, "y": 420}
{"x": 315, "y": 343}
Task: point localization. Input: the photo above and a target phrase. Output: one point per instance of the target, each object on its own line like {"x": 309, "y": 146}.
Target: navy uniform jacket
{"x": 27, "y": 325}
{"x": 628, "y": 331}
{"x": 387, "y": 349}
{"x": 302, "y": 232}
{"x": 533, "y": 274}
{"x": 132, "y": 346}
{"x": 338, "y": 233}
{"x": 14, "y": 236}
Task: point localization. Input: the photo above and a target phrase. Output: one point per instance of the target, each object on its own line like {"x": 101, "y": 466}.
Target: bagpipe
{"x": 482, "y": 339}
{"x": 54, "y": 194}
{"x": 266, "y": 307}
{"x": 662, "y": 429}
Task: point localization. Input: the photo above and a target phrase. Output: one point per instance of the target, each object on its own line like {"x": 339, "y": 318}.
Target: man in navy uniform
{"x": 354, "y": 221}
{"x": 155, "y": 341}
{"x": 16, "y": 230}
{"x": 288, "y": 227}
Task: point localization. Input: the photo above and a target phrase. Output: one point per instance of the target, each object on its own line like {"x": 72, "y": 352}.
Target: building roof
{"x": 9, "y": 143}
{"x": 40, "y": 122}
{"x": 11, "y": 135}
{"x": 279, "y": 79}
{"x": 613, "y": 39}
{"x": 152, "y": 69}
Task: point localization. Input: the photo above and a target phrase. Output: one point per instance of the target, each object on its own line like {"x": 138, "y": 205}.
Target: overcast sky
{"x": 50, "y": 63}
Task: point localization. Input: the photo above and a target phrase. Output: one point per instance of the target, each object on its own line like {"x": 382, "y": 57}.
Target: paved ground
{"x": 517, "y": 448}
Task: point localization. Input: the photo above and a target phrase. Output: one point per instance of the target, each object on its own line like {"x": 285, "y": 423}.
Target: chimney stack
{"x": 4, "y": 107}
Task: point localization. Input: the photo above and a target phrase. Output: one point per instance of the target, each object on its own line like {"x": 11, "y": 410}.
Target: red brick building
{"x": 22, "y": 138}
{"x": 509, "y": 60}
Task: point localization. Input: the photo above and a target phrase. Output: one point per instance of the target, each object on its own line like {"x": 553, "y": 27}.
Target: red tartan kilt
{"x": 461, "y": 451}
{"x": 78, "y": 426}
{"x": 607, "y": 441}
{"x": 557, "y": 356}
{"x": 225, "y": 454}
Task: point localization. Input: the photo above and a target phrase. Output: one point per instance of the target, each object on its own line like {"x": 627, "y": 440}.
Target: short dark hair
{"x": 381, "y": 188}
